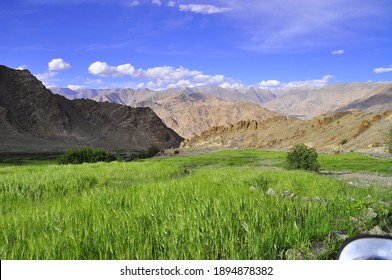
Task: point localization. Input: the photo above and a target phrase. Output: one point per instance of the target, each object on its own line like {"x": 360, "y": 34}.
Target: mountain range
{"x": 190, "y": 111}
{"x": 34, "y": 119}
{"x": 336, "y": 117}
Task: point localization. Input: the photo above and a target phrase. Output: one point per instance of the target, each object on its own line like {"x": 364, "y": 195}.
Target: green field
{"x": 211, "y": 206}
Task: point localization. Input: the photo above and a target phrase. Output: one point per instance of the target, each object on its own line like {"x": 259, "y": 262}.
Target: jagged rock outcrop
{"x": 339, "y": 132}
{"x": 32, "y": 118}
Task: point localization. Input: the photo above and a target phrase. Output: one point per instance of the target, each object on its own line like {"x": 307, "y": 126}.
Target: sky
{"x": 161, "y": 44}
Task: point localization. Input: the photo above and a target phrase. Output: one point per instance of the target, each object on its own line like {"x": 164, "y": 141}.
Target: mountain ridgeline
{"x": 191, "y": 111}
{"x": 33, "y": 119}
{"x": 188, "y": 111}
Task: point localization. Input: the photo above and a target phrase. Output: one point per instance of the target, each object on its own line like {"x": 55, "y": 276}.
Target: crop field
{"x": 224, "y": 205}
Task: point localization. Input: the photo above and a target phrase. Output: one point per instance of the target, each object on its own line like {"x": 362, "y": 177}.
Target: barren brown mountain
{"x": 339, "y": 132}
{"x": 195, "y": 115}
{"x": 32, "y": 118}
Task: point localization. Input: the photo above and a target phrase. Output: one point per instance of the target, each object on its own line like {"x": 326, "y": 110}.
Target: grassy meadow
{"x": 210, "y": 206}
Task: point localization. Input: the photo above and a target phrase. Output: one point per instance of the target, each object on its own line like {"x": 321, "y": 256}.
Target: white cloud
{"x": 159, "y": 77}
{"x": 338, "y": 52}
{"x": 75, "y": 87}
{"x": 58, "y": 64}
{"x": 309, "y": 83}
{"x": 380, "y": 70}
{"x": 47, "y": 78}
{"x": 125, "y": 69}
{"x": 167, "y": 73}
{"x": 22, "y": 67}
{"x": 181, "y": 84}
{"x": 156, "y": 2}
{"x": 151, "y": 85}
{"x": 231, "y": 85}
{"x": 103, "y": 69}
{"x": 134, "y": 3}
{"x": 203, "y": 9}
{"x": 171, "y": 3}
{"x": 269, "y": 83}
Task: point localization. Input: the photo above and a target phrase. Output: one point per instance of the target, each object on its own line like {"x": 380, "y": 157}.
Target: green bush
{"x": 153, "y": 150}
{"x": 80, "y": 155}
{"x": 303, "y": 157}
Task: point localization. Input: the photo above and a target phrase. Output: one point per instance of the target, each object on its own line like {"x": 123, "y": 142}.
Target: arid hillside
{"x": 338, "y": 132}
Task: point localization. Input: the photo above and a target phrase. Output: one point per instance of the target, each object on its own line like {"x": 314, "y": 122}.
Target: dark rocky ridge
{"x": 32, "y": 118}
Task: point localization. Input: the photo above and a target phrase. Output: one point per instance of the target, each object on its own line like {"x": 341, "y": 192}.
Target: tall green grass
{"x": 213, "y": 206}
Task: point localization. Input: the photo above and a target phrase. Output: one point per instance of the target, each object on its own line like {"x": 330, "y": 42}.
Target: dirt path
{"x": 361, "y": 179}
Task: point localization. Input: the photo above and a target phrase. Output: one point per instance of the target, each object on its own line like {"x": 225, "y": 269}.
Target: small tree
{"x": 303, "y": 157}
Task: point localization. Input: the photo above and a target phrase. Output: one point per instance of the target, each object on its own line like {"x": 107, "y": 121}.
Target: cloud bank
{"x": 203, "y": 9}
{"x": 161, "y": 76}
{"x": 271, "y": 84}
{"x": 380, "y": 70}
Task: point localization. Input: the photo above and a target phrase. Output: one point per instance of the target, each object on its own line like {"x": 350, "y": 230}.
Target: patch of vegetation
{"x": 344, "y": 141}
{"x": 303, "y": 157}
{"x": 354, "y": 162}
{"x": 88, "y": 155}
{"x": 157, "y": 209}
{"x": 153, "y": 150}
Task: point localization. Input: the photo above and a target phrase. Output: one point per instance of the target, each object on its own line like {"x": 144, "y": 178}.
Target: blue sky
{"x": 175, "y": 43}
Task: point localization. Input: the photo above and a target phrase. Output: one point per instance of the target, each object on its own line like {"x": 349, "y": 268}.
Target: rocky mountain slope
{"x": 343, "y": 131}
{"x": 32, "y": 118}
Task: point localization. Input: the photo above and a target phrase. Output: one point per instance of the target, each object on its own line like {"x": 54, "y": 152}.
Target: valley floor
{"x": 238, "y": 204}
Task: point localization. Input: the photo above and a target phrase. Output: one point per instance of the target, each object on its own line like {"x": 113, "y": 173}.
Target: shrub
{"x": 153, "y": 150}
{"x": 303, "y": 157}
{"x": 344, "y": 141}
{"x": 80, "y": 155}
